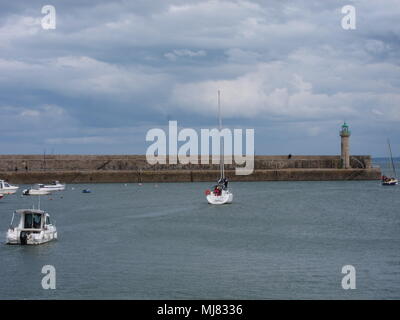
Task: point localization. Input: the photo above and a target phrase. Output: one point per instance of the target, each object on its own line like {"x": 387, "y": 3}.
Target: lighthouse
{"x": 345, "y": 155}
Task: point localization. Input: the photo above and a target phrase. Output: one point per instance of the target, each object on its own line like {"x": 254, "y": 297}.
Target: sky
{"x": 112, "y": 70}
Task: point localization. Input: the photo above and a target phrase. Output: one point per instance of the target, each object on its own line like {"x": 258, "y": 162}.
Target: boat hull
{"x": 55, "y": 188}
{"x": 14, "y": 237}
{"x": 390, "y": 183}
{"x": 8, "y": 191}
{"x": 33, "y": 192}
{"x": 225, "y": 198}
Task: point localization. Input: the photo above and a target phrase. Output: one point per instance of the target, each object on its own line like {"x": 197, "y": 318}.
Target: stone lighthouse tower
{"x": 345, "y": 155}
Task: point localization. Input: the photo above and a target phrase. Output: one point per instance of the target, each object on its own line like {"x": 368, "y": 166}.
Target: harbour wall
{"x": 139, "y": 162}
{"x": 123, "y": 176}
{"x": 135, "y": 168}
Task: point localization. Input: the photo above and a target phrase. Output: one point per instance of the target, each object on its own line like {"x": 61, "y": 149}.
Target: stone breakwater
{"x": 134, "y": 168}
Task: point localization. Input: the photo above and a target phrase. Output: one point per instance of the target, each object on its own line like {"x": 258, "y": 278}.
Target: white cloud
{"x": 272, "y": 91}
{"x": 184, "y": 53}
{"x": 280, "y": 61}
{"x": 18, "y": 27}
{"x": 80, "y": 75}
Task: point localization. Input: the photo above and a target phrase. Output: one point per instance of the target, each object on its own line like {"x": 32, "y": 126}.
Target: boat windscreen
{"x": 32, "y": 221}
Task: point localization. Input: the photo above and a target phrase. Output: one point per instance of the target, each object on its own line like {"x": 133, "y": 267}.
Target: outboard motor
{"x": 23, "y": 237}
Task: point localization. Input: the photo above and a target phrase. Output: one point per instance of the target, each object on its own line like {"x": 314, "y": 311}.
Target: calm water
{"x": 277, "y": 240}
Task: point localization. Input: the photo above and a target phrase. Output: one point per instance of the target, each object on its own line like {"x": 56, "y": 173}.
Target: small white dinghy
{"x": 6, "y": 188}
{"x": 220, "y": 193}
{"x": 34, "y": 228}
{"x": 55, "y": 186}
{"x": 37, "y": 190}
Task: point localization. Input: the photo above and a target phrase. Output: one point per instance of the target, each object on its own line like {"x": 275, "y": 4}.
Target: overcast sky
{"x": 111, "y": 70}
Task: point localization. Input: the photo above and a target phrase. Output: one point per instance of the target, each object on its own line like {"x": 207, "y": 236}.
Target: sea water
{"x": 277, "y": 240}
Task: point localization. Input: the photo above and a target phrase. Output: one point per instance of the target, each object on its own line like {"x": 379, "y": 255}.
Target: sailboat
{"x": 220, "y": 194}
{"x": 386, "y": 181}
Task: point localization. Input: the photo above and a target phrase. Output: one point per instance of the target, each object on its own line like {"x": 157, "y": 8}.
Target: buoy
{"x": 207, "y": 192}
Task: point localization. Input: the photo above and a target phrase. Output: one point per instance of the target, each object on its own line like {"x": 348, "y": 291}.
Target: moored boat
{"x": 55, "y": 186}
{"x": 37, "y": 190}
{"x": 390, "y": 181}
{"x": 6, "y": 188}
{"x": 34, "y": 228}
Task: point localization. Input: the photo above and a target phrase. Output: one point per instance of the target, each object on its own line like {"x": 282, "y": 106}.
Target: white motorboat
{"x": 37, "y": 190}
{"x": 220, "y": 193}
{"x": 6, "y": 188}
{"x": 55, "y": 186}
{"x": 33, "y": 228}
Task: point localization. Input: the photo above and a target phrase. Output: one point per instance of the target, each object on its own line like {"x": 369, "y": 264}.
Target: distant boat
{"x": 55, "y": 186}
{"x": 86, "y": 191}
{"x": 387, "y": 181}
{"x": 34, "y": 228}
{"x": 6, "y": 188}
{"x": 36, "y": 190}
{"x": 220, "y": 194}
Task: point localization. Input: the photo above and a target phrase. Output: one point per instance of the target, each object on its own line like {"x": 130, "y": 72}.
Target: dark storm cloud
{"x": 113, "y": 69}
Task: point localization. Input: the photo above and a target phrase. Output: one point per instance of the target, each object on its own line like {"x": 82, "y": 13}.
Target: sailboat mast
{"x": 221, "y": 151}
{"x": 391, "y": 159}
